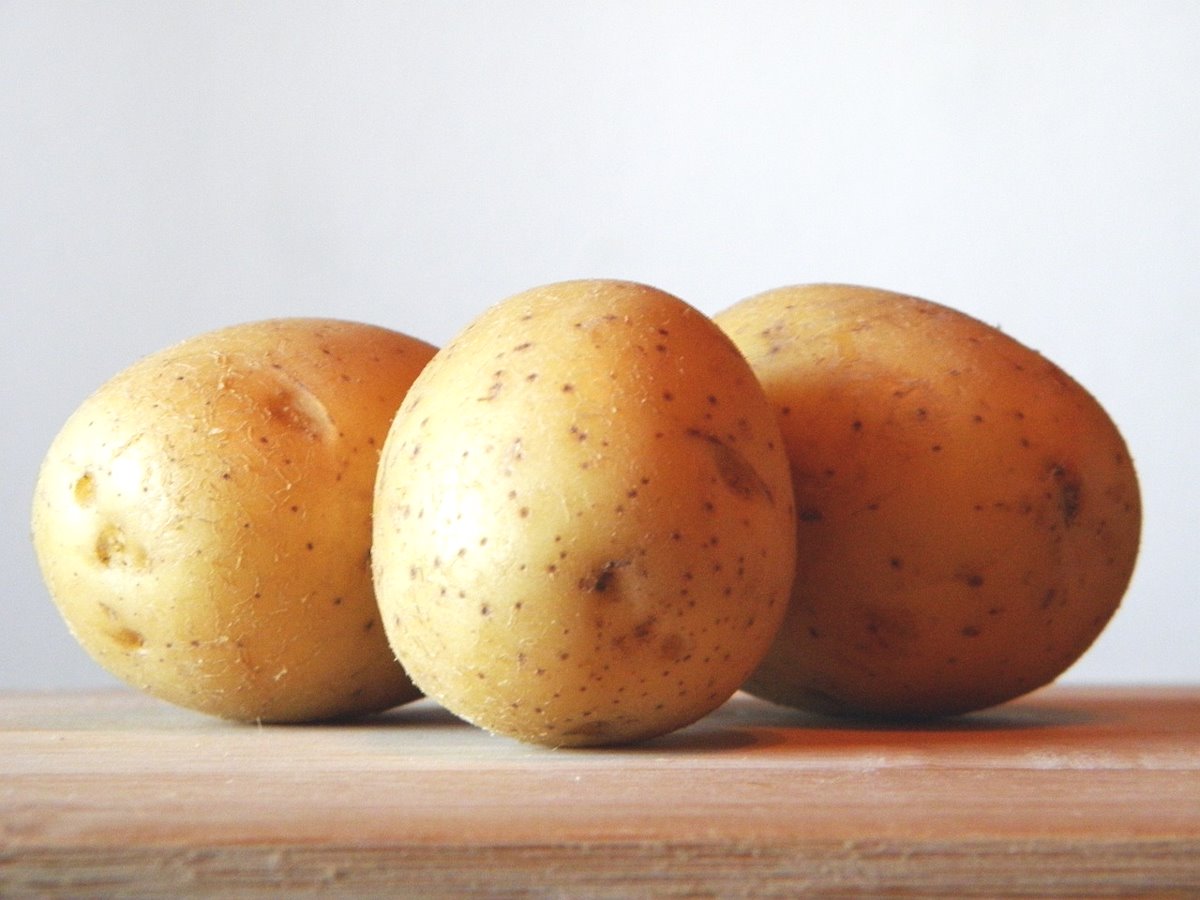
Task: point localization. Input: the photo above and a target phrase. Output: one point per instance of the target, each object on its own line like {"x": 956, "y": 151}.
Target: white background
{"x": 169, "y": 167}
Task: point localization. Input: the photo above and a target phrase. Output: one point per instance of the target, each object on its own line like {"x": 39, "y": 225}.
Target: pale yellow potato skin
{"x": 203, "y": 520}
{"x": 968, "y": 515}
{"x": 584, "y": 530}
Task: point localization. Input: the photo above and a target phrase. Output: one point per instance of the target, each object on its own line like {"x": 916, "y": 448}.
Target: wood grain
{"x": 1069, "y": 792}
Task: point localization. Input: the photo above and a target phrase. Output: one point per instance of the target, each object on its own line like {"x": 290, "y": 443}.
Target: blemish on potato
{"x": 128, "y": 639}
{"x": 735, "y": 471}
{"x": 606, "y": 574}
{"x": 84, "y": 490}
{"x": 113, "y": 549}
{"x": 286, "y": 402}
{"x": 1070, "y": 493}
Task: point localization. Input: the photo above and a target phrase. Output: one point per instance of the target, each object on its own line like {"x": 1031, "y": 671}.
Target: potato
{"x": 203, "y": 520}
{"x": 584, "y": 532}
{"x": 968, "y": 515}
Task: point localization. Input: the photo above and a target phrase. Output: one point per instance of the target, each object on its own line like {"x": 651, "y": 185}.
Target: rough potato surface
{"x": 584, "y": 529}
{"x": 203, "y": 520}
{"x": 969, "y": 516}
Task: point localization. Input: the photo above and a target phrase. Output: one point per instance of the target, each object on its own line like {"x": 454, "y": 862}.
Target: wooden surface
{"x": 1069, "y": 792}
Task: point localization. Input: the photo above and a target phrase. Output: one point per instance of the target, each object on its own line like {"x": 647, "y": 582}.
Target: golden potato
{"x": 583, "y": 525}
{"x": 968, "y": 515}
{"x": 203, "y": 520}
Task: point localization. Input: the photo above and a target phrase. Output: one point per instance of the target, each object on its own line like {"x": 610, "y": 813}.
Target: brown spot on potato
{"x": 1070, "y": 493}
{"x": 285, "y": 401}
{"x": 84, "y": 490}
{"x": 112, "y": 548}
{"x": 644, "y": 629}
{"x": 673, "y": 647}
{"x": 604, "y": 576}
{"x": 735, "y": 471}
{"x": 128, "y": 639}
{"x": 887, "y": 626}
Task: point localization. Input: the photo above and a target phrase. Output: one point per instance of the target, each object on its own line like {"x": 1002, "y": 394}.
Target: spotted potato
{"x": 203, "y": 520}
{"x": 584, "y": 530}
{"x": 969, "y": 515}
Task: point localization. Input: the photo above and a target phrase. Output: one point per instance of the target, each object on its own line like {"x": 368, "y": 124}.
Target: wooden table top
{"x": 1072, "y": 791}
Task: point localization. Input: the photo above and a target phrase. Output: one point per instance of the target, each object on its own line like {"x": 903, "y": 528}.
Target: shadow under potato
{"x": 746, "y": 722}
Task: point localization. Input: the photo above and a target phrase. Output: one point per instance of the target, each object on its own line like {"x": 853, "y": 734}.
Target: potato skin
{"x": 583, "y": 529}
{"x": 202, "y": 521}
{"x": 969, "y": 516}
